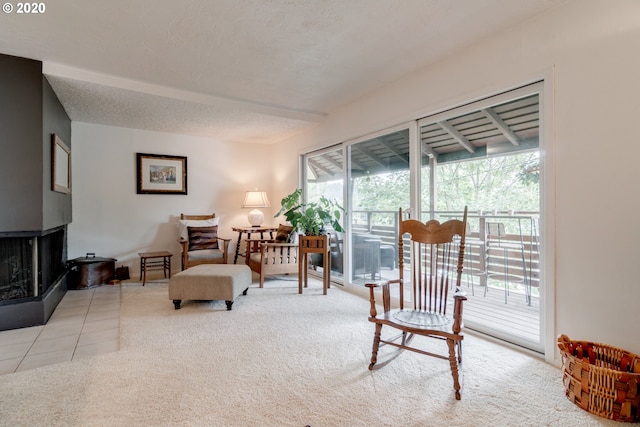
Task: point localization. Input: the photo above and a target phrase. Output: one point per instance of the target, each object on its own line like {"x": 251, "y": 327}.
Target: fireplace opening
{"x": 16, "y": 265}
{"x": 31, "y": 268}
{"x": 30, "y": 265}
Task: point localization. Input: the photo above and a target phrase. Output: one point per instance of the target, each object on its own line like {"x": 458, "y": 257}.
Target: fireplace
{"x": 32, "y": 276}
{"x": 34, "y": 214}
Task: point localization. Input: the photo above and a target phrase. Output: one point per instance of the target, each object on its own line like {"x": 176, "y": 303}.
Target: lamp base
{"x": 255, "y": 217}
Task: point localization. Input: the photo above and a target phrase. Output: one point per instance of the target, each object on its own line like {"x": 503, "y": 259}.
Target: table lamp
{"x": 256, "y": 199}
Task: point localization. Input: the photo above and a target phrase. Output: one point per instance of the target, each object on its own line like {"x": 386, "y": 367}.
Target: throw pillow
{"x": 184, "y": 223}
{"x": 283, "y": 234}
{"x": 203, "y": 238}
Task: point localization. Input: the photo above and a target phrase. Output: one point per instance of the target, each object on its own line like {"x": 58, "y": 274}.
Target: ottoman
{"x": 210, "y": 282}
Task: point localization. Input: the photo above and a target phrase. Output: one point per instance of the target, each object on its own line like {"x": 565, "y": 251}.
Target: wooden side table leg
{"x": 143, "y": 270}
{"x": 301, "y": 260}
{"x": 235, "y": 258}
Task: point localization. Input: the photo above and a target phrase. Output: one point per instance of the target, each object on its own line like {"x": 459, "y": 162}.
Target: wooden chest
{"x": 89, "y": 271}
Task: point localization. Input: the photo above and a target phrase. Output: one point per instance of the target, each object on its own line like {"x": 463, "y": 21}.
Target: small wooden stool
{"x": 148, "y": 262}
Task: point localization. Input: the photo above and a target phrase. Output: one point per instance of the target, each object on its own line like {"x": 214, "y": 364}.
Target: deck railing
{"x": 513, "y": 256}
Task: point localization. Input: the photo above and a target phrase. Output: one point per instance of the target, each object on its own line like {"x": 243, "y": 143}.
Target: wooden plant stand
{"x": 314, "y": 245}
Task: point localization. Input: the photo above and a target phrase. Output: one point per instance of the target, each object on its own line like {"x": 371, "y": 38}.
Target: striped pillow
{"x": 203, "y": 238}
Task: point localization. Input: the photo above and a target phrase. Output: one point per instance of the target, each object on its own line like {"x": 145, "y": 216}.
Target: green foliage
{"x": 311, "y": 217}
{"x": 502, "y": 183}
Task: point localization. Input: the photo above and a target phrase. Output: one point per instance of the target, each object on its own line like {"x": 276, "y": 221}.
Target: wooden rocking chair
{"x": 437, "y": 255}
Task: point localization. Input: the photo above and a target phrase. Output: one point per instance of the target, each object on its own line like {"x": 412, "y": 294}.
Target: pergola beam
{"x": 318, "y": 166}
{"x": 501, "y": 125}
{"x": 457, "y": 136}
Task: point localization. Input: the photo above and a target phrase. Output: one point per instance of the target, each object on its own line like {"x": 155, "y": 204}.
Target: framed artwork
{"x": 60, "y": 165}
{"x": 161, "y": 174}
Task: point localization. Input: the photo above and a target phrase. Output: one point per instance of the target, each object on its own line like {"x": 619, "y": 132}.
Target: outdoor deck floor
{"x": 491, "y": 313}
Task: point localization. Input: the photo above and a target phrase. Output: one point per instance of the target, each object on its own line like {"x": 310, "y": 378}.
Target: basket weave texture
{"x": 601, "y": 379}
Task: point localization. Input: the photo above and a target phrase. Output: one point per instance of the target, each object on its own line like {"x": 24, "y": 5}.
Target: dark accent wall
{"x": 29, "y": 113}
{"x": 56, "y": 207}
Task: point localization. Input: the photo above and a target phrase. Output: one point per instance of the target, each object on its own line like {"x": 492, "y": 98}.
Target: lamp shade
{"x": 256, "y": 199}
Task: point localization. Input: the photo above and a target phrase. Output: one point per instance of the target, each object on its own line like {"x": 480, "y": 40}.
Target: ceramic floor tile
{"x": 16, "y": 336}
{"x": 68, "y": 312}
{"x": 61, "y": 330}
{"x": 9, "y": 366}
{"x": 11, "y": 351}
{"x": 78, "y": 295}
{"x": 44, "y": 359}
{"x": 85, "y": 323}
{"x": 104, "y": 306}
{"x": 101, "y": 325}
{"x": 76, "y": 302}
{"x": 99, "y": 336}
{"x": 102, "y": 347}
{"x": 103, "y": 315}
{"x": 67, "y": 343}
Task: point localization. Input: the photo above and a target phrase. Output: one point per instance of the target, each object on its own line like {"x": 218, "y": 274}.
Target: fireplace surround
{"x": 33, "y": 217}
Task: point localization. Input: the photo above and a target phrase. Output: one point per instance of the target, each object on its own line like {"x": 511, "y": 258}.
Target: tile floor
{"x": 85, "y": 323}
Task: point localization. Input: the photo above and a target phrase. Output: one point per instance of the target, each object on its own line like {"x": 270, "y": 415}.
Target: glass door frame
{"x": 543, "y": 86}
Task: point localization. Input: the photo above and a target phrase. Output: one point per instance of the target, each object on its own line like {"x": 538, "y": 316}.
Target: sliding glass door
{"x": 485, "y": 156}
{"x": 379, "y": 185}
{"x": 324, "y": 176}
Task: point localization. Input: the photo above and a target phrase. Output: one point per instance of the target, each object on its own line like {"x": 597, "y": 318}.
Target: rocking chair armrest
{"x": 386, "y": 300}
{"x": 460, "y": 294}
{"x": 379, "y": 283}
{"x": 459, "y": 297}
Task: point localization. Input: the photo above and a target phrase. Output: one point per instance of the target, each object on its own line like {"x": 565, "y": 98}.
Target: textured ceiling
{"x": 241, "y": 70}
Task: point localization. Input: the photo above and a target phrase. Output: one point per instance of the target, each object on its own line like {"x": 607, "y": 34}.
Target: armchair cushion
{"x": 206, "y": 254}
{"x": 184, "y": 224}
{"x": 201, "y": 238}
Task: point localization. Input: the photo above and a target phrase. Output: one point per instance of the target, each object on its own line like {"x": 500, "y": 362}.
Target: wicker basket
{"x": 601, "y": 379}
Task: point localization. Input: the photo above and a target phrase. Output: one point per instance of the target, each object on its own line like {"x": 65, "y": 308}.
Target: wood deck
{"x": 490, "y": 314}
{"x": 515, "y": 321}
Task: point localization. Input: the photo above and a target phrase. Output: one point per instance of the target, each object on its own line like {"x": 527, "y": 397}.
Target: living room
{"x": 583, "y": 51}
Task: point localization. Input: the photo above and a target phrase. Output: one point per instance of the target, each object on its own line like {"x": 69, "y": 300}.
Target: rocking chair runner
{"x": 437, "y": 255}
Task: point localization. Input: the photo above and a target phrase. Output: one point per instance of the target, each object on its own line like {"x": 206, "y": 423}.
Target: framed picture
{"x": 60, "y": 165}
{"x": 161, "y": 174}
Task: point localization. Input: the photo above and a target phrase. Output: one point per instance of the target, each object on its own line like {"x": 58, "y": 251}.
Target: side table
{"x": 314, "y": 245}
{"x": 152, "y": 261}
{"x": 249, "y": 231}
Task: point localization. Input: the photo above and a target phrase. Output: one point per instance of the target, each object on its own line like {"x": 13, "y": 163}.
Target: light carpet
{"x": 279, "y": 359}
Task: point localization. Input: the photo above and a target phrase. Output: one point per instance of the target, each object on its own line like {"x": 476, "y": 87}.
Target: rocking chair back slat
{"x": 437, "y": 251}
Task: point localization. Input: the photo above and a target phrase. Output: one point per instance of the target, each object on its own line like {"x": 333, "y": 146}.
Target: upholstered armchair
{"x": 198, "y": 236}
{"x": 277, "y": 256}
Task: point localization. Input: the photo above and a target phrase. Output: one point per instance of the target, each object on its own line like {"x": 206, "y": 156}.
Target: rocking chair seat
{"x": 423, "y": 319}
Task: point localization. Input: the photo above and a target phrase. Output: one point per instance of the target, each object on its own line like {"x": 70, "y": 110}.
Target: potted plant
{"x": 310, "y": 218}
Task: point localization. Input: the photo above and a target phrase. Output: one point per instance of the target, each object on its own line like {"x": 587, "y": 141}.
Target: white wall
{"x": 110, "y": 219}
{"x": 588, "y": 52}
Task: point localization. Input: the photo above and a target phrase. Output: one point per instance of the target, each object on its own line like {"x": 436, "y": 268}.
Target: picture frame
{"x": 161, "y": 174}
{"x": 60, "y": 165}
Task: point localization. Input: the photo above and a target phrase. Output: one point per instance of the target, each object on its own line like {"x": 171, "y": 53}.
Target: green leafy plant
{"x": 312, "y": 217}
